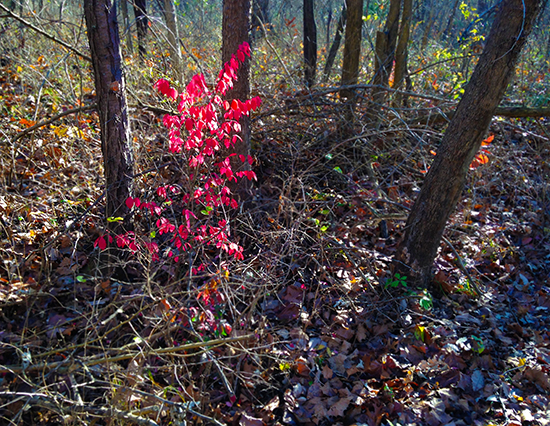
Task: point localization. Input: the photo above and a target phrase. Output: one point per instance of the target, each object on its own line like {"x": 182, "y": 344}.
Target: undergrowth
{"x": 316, "y": 280}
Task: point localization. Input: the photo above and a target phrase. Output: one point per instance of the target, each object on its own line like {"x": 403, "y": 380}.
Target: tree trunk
{"x": 401, "y": 52}
{"x": 310, "y": 43}
{"x": 173, "y": 38}
{"x": 448, "y": 29}
{"x": 385, "y": 51}
{"x": 352, "y": 45}
{"x": 127, "y": 29}
{"x": 104, "y": 42}
{"x": 328, "y": 24}
{"x": 428, "y": 28}
{"x": 235, "y": 31}
{"x": 260, "y": 18}
{"x": 335, "y": 44}
{"x": 445, "y": 180}
{"x": 140, "y": 12}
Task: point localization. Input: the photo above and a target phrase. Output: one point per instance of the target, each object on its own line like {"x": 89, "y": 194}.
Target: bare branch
{"x": 45, "y": 34}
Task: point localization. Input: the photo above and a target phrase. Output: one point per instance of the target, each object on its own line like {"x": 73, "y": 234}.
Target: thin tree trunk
{"x": 327, "y": 30}
{"x": 401, "y": 52}
{"x": 103, "y": 36}
{"x": 235, "y": 31}
{"x": 335, "y": 44}
{"x": 428, "y": 28}
{"x": 173, "y": 38}
{"x": 310, "y": 43}
{"x": 127, "y": 29}
{"x": 445, "y": 180}
{"x": 449, "y": 27}
{"x": 385, "y": 51}
{"x": 140, "y": 12}
{"x": 352, "y": 46}
{"x": 260, "y": 18}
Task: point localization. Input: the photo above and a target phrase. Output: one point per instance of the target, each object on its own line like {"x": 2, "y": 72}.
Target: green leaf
{"x": 114, "y": 219}
{"x": 426, "y": 303}
{"x": 480, "y": 344}
{"x": 338, "y": 169}
{"x": 81, "y": 279}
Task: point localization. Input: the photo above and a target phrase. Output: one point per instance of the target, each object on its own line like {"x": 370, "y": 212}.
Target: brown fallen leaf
{"x": 537, "y": 376}
{"x": 338, "y": 407}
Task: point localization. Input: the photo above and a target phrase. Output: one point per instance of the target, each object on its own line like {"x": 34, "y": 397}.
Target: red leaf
{"x": 163, "y": 86}
{"x": 101, "y": 243}
{"x": 241, "y": 56}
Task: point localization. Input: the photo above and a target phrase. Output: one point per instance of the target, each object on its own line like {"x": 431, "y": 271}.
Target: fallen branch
{"x": 510, "y": 112}
{"x": 74, "y": 364}
{"x": 52, "y": 119}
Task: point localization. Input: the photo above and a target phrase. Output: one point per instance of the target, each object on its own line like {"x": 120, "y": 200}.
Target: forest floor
{"x": 313, "y": 327}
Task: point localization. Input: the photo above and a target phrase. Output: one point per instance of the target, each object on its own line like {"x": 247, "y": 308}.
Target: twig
{"x": 52, "y": 403}
{"x": 276, "y": 53}
{"x": 463, "y": 267}
{"x": 45, "y": 34}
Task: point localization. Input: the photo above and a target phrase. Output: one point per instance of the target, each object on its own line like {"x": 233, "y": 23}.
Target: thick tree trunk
{"x": 140, "y": 12}
{"x": 445, "y": 180}
{"x": 310, "y": 43}
{"x": 352, "y": 45}
{"x": 335, "y": 44}
{"x": 235, "y": 31}
{"x": 385, "y": 50}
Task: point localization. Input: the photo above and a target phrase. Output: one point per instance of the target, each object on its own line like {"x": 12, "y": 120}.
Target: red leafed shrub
{"x": 205, "y": 123}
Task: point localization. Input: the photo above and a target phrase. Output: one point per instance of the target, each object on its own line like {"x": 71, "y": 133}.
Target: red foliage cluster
{"x": 205, "y": 123}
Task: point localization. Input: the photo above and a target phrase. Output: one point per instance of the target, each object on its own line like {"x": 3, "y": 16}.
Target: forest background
{"x": 299, "y": 306}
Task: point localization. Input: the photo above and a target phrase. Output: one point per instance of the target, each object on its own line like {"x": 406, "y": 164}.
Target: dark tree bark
{"x": 142, "y": 22}
{"x": 352, "y": 45}
{"x": 104, "y": 42}
{"x": 235, "y": 31}
{"x": 310, "y": 43}
{"x": 445, "y": 180}
{"x": 335, "y": 44}
{"x": 385, "y": 50}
